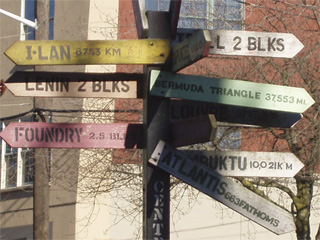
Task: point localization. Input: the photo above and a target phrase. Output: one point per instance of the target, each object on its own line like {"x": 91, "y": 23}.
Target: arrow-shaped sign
{"x": 231, "y": 92}
{"x": 72, "y": 135}
{"x": 181, "y": 109}
{"x": 109, "y": 135}
{"x": 248, "y": 164}
{"x": 191, "y": 50}
{"x": 68, "y": 84}
{"x": 222, "y": 189}
{"x": 260, "y": 44}
{"x": 141, "y": 51}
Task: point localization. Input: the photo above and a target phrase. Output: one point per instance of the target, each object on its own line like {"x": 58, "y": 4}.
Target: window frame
{"x": 28, "y": 33}
{"x": 210, "y": 17}
{"x": 6, "y": 151}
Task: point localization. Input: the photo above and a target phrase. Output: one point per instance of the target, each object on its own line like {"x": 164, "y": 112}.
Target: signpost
{"x": 193, "y": 130}
{"x": 72, "y": 135}
{"x": 156, "y": 183}
{"x": 67, "y": 84}
{"x": 248, "y": 164}
{"x": 191, "y": 50}
{"x": 199, "y": 170}
{"x": 244, "y": 116}
{"x": 174, "y": 13}
{"x": 222, "y": 189}
{"x": 231, "y": 92}
{"x": 260, "y": 44}
{"x": 141, "y": 51}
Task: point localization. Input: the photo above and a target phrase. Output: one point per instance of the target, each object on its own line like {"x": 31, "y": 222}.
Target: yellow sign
{"x": 141, "y": 51}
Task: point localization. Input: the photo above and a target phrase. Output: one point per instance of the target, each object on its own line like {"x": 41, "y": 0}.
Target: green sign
{"x": 231, "y": 92}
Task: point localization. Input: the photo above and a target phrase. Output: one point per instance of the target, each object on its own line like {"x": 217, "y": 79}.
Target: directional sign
{"x": 248, "y": 164}
{"x": 68, "y": 84}
{"x": 181, "y": 109}
{"x": 191, "y": 50}
{"x": 115, "y": 135}
{"x": 261, "y": 44}
{"x": 72, "y": 135}
{"x": 222, "y": 189}
{"x": 231, "y": 92}
{"x": 193, "y": 130}
{"x": 142, "y": 51}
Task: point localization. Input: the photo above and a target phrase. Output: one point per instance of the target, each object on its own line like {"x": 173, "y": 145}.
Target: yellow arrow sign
{"x": 141, "y": 51}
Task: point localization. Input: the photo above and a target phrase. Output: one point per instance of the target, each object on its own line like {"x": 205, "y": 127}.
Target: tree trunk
{"x": 318, "y": 234}
{"x": 302, "y": 203}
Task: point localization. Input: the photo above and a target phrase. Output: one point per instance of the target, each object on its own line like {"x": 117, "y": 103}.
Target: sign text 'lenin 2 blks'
{"x": 67, "y": 84}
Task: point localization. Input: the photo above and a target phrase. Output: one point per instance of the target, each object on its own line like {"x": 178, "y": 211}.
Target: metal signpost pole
{"x": 156, "y": 183}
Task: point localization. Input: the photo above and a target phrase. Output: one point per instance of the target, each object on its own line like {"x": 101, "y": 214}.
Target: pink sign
{"x": 73, "y": 135}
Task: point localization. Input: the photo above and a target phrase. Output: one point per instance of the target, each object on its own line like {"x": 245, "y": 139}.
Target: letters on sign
{"x": 222, "y": 189}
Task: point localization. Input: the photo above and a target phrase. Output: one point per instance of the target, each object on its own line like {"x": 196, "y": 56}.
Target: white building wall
{"x": 92, "y": 212}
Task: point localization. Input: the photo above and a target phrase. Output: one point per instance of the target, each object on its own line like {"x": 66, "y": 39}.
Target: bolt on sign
{"x": 222, "y": 189}
{"x": 141, "y": 51}
{"x": 230, "y": 92}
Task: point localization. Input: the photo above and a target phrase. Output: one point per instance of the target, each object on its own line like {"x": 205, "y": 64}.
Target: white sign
{"x": 248, "y": 164}
{"x": 222, "y": 189}
{"x": 261, "y": 44}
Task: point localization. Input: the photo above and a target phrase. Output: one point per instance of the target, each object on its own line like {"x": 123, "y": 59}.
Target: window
{"x": 28, "y": 166}
{"x": 51, "y": 19}
{"x": 228, "y": 15}
{"x": 28, "y": 11}
{"x": 205, "y": 14}
{"x": 11, "y": 169}
{"x": 194, "y": 14}
{"x": 17, "y": 165}
{"x": 157, "y": 5}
